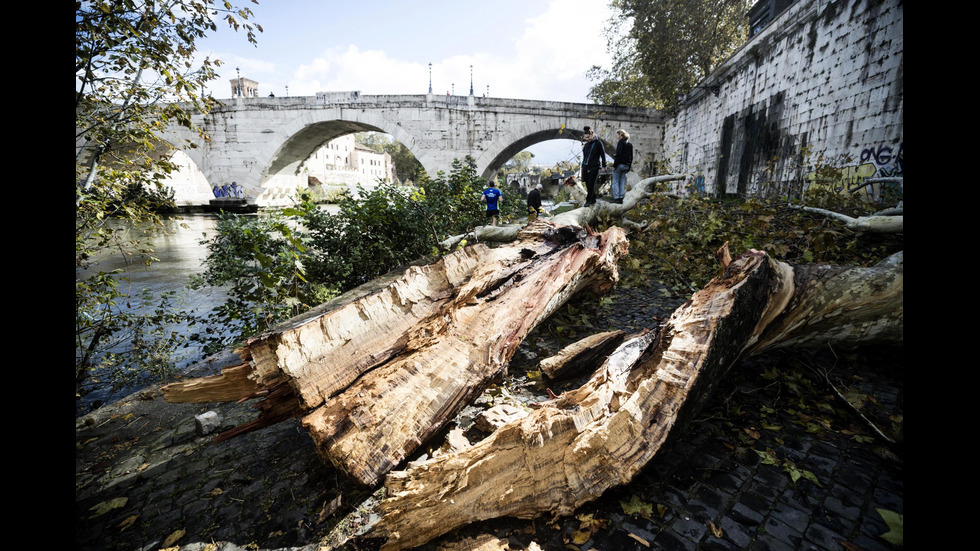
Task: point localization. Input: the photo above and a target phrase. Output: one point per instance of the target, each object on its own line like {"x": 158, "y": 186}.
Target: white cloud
{"x": 547, "y": 62}
{"x": 350, "y": 68}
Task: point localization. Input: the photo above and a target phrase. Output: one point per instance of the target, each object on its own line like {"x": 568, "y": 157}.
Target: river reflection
{"x": 180, "y": 255}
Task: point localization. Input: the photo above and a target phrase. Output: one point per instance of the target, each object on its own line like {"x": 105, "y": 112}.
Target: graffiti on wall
{"x": 696, "y": 184}
{"x": 888, "y": 160}
{"x": 229, "y": 191}
{"x": 881, "y": 161}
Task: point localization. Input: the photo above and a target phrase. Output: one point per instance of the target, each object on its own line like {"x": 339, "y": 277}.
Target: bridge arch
{"x": 511, "y": 144}
{"x": 262, "y": 142}
{"x": 293, "y": 143}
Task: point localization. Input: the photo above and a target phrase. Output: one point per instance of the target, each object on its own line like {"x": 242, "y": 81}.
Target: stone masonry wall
{"x": 821, "y": 85}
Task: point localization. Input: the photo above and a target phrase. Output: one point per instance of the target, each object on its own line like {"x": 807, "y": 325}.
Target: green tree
{"x": 661, "y": 49}
{"x": 407, "y": 167}
{"x": 519, "y": 163}
{"x": 135, "y": 74}
{"x": 282, "y": 264}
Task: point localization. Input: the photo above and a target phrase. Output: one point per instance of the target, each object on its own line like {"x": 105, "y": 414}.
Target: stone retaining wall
{"x": 821, "y": 86}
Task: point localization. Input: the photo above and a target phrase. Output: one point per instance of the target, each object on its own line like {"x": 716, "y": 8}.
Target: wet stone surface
{"x": 774, "y": 461}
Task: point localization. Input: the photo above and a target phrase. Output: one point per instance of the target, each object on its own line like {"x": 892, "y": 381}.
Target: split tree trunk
{"x": 574, "y": 448}
{"x": 378, "y": 373}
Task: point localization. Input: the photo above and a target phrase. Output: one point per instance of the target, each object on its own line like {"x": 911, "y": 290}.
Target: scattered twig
{"x": 823, "y": 374}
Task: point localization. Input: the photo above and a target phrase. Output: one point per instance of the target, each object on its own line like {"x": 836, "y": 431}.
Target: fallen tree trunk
{"x": 378, "y": 373}
{"x": 577, "y": 446}
{"x": 581, "y": 217}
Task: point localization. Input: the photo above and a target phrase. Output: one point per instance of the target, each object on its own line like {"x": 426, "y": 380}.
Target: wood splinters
{"x": 723, "y": 256}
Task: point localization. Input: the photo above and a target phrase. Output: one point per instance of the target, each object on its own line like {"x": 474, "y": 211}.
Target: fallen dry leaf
{"x": 639, "y": 539}
{"x": 715, "y": 530}
{"x": 172, "y": 538}
{"x": 106, "y": 506}
{"x": 127, "y": 522}
{"x": 329, "y": 508}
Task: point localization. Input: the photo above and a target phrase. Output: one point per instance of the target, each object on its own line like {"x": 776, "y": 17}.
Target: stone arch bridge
{"x": 261, "y": 143}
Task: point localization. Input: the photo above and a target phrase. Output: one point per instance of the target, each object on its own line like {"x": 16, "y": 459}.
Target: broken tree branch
{"x": 574, "y": 448}
{"x": 377, "y": 374}
{"x": 862, "y": 224}
{"x": 581, "y": 216}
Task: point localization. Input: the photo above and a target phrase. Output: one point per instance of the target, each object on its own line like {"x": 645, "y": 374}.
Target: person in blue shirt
{"x": 491, "y": 196}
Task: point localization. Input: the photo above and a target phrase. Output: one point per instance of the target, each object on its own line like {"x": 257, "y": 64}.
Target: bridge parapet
{"x": 262, "y": 143}
{"x": 354, "y": 99}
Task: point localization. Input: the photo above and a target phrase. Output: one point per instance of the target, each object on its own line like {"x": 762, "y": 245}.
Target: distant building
{"x": 244, "y": 87}
{"x": 344, "y": 162}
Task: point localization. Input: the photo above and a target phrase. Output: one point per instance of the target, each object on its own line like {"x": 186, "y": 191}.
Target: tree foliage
{"x": 683, "y": 232}
{"x": 284, "y": 263}
{"x": 407, "y": 167}
{"x": 661, "y": 49}
{"x": 519, "y": 163}
{"x": 136, "y": 73}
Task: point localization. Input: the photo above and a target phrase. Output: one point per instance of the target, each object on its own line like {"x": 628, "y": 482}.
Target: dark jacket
{"x": 593, "y": 155}
{"x": 534, "y": 198}
{"x": 624, "y": 153}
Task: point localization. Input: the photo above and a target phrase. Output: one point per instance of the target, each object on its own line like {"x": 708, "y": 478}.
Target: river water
{"x": 180, "y": 255}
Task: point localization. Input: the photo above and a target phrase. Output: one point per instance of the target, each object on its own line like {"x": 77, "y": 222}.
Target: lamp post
{"x": 430, "y": 77}
{"x": 471, "y": 80}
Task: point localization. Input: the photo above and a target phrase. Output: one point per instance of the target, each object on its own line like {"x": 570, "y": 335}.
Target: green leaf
{"x": 811, "y": 477}
{"x": 768, "y": 458}
{"x": 895, "y": 523}
{"x": 579, "y": 537}
{"x": 636, "y": 506}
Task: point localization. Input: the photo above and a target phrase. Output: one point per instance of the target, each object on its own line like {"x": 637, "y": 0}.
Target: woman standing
{"x": 622, "y": 161}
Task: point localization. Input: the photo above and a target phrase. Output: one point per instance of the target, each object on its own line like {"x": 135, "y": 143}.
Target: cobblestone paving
{"x": 774, "y": 462}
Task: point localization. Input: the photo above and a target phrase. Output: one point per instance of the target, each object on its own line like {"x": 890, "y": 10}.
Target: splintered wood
{"x": 572, "y": 449}
{"x": 376, "y": 373}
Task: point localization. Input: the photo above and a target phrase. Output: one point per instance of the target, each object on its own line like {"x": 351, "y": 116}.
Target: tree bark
{"x": 581, "y": 216}
{"x": 576, "y": 357}
{"x": 865, "y": 224}
{"x": 377, "y": 374}
{"x": 574, "y": 448}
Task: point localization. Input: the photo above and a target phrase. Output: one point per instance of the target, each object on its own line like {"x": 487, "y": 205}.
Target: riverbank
{"x": 774, "y": 462}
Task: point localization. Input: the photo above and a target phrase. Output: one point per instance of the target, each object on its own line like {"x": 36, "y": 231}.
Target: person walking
{"x": 491, "y": 196}
{"x": 622, "y": 162}
{"x": 593, "y": 159}
{"x": 534, "y": 202}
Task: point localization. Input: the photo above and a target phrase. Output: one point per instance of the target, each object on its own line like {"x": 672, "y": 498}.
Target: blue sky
{"x": 528, "y": 49}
